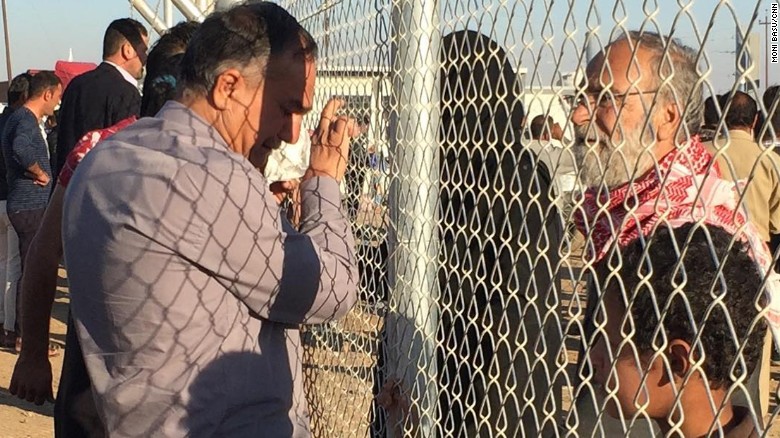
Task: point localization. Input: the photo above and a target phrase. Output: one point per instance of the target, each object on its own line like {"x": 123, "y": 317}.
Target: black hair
{"x": 161, "y": 88}
{"x": 121, "y": 31}
{"x": 770, "y": 95}
{"x": 173, "y": 42}
{"x": 41, "y": 82}
{"x": 248, "y": 35}
{"x": 742, "y": 111}
{"x": 721, "y": 288}
{"x": 19, "y": 89}
{"x": 163, "y": 67}
{"x": 538, "y": 125}
{"x": 711, "y": 113}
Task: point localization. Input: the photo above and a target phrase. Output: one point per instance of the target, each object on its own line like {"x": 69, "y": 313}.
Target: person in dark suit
{"x": 102, "y": 97}
{"x": 92, "y": 101}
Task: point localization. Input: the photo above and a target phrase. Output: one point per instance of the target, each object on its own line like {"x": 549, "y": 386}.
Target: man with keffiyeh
{"x": 636, "y": 119}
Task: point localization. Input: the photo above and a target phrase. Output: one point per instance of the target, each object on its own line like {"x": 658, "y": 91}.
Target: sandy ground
{"x": 18, "y": 418}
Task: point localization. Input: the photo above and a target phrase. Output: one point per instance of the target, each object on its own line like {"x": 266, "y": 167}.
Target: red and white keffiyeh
{"x": 685, "y": 187}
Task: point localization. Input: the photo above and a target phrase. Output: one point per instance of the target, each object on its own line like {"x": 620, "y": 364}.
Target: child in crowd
{"x": 681, "y": 331}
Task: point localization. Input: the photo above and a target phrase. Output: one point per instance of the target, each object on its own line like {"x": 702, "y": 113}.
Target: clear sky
{"x": 547, "y": 36}
{"x": 708, "y": 24}
{"x": 42, "y": 31}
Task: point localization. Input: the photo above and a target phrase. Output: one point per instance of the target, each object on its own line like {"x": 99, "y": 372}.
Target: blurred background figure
{"x": 10, "y": 262}
{"x": 547, "y": 144}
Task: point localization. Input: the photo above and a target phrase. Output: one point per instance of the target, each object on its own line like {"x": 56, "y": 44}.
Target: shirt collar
{"x": 177, "y": 113}
{"x": 128, "y": 77}
{"x": 740, "y": 134}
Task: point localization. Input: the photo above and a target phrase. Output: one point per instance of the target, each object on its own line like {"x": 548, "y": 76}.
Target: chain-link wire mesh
{"x": 487, "y": 270}
{"x": 555, "y": 234}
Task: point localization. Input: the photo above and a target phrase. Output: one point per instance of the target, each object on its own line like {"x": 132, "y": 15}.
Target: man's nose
{"x": 581, "y": 115}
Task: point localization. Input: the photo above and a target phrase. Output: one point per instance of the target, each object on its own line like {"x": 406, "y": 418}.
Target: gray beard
{"x": 602, "y": 162}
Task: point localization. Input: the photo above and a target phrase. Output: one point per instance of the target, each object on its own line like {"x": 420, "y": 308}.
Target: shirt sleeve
{"x": 281, "y": 274}
{"x": 22, "y": 143}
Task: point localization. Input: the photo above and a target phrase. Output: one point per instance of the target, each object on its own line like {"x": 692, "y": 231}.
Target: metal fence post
{"x": 413, "y": 319}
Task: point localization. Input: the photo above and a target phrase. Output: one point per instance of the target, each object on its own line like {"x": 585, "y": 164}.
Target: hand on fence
{"x": 289, "y": 190}
{"x": 394, "y": 398}
{"x": 283, "y": 189}
{"x": 330, "y": 143}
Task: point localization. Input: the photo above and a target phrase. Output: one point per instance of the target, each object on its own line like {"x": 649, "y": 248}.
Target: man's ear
{"x": 224, "y": 86}
{"x": 668, "y": 121}
{"x": 679, "y": 352}
{"x": 128, "y": 52}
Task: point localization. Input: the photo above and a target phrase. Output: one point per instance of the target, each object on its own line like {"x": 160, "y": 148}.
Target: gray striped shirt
{"x": 188, "y": 287}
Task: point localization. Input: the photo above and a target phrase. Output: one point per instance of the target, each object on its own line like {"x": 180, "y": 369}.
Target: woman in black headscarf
{"x": 499, "y": 332}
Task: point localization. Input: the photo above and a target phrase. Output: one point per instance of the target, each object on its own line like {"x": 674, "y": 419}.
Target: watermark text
{"x": 773, "y": 34}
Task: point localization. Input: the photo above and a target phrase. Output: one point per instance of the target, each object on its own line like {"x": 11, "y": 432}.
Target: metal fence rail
{"x": 475, "y": 317}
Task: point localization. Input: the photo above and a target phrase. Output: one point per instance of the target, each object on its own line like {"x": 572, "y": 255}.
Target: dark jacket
{"x": 94, "y": 100}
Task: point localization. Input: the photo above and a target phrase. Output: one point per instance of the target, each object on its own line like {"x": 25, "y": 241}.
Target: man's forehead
{"x": 618, "y": 65}
{"x": 297, "y": 69}
{"x": 310, "y": 74}
{"x": 294, "y": 82}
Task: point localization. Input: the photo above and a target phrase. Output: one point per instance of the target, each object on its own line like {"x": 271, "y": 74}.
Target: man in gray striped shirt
{"x": 188, "y": 287}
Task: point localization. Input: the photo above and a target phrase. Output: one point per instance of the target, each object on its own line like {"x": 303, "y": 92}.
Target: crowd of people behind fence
{"x": 190, "y": 279}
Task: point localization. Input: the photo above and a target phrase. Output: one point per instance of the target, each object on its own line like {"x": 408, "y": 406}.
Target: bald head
{"x": 670, "y": 68}
{"x": 621, "y": 66}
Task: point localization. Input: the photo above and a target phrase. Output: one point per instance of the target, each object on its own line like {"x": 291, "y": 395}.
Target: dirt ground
{"x": 18, "y": 418}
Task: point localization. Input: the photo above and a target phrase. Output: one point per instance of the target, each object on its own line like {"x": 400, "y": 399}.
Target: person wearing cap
{"x": 108, "y": 94}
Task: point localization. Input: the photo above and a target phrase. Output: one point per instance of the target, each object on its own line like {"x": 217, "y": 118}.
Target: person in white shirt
{"x": 547, "y": 144}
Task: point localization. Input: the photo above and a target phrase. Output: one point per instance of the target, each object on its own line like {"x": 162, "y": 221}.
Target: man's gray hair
{"x": 244, "y": 37}
{"x": 676, "y": 77}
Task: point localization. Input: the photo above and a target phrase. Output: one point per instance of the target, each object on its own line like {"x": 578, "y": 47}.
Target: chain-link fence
{"x": 487, "y": 266}
{"x": 564, "y": 216}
